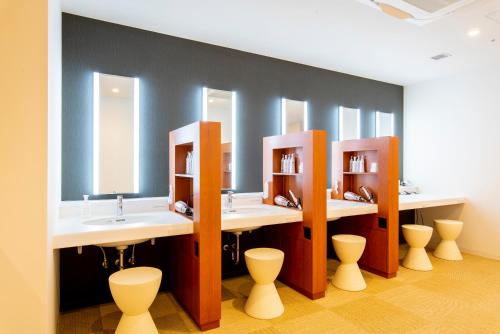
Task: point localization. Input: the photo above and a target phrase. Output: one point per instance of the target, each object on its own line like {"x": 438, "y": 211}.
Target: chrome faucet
{"x": 119, "y": 205}
{"x": 230, "y": 199}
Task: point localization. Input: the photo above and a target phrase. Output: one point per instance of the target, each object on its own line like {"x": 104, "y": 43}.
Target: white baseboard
{"x": 482, "y": 254}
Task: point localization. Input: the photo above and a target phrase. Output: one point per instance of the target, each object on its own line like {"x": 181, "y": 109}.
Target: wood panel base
{"x": 378, "y": 272}
{"x": 209, "y": 326}
{"x": 308, "y": 294}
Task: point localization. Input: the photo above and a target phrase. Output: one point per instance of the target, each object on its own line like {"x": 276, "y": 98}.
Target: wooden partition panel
{"x": 195, "y": 260}
{"x": 304, "y": 243}
{"x": 381, "y": 255}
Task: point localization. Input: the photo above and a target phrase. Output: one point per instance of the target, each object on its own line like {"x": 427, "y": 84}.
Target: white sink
{"x": 244, "y": 211}
{"x": 119, "y": 220}
{"x": 240, "y": 212}
{"x": 122, "y": 243}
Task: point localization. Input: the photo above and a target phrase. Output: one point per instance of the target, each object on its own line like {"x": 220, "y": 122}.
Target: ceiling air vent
{"x": 441, "y": 56}
{"x": 417, "y": 11}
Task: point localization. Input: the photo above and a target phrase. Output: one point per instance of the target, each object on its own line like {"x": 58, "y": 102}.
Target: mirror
{"x": 349, "y": 123}
{"x": 115, "y": 134}
{"x": 220, "y": 106}
{"x": 384, "y": 124}
{"x": 294, "y": 116}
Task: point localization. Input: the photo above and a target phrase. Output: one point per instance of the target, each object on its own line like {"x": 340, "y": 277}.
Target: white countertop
{"x": 70, "y": 232}
{"x": 340, "y": 208}
{"x": 420, "y": 201}
{"x": 258, "y": 215}
{"x": 343, "y": 208}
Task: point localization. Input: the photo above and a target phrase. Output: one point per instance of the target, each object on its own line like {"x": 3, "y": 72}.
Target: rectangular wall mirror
{"x": 349, "y": 123}
{"x": 384, "y": 124}
{"x": 294, "y": 116}
{"x": 220, "y": 106}
{"x": 115, "y": 134}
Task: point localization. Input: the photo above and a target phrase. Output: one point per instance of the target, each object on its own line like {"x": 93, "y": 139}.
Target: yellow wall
{"x": 26, "y": 274}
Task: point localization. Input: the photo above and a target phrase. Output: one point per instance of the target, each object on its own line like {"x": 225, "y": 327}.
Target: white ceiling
{"x": 340, "y": 35}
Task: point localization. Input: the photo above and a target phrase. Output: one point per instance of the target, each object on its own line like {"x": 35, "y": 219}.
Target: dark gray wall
{"x": 172, "y": 72}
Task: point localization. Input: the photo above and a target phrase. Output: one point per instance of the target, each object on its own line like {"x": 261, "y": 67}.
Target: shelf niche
{"x": 381, "y": 230}
{"x": 194, "y": 260}
{"x": 304, "y": 243}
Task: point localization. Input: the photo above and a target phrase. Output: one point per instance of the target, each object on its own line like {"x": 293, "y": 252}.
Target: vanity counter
{"x": 341, "y": 208}
{"x": 421, "y": 201}
{"x": 253, "y": 216}
{"x": 72, "y": 232}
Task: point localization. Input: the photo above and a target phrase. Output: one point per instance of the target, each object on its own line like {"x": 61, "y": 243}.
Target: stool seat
{"x": 448, "y": 230}
{"x": 135, "y": 276}
{"x": 264, "y": 265}
{"x": 417, "y": 237}
{"x": 349, "y": 249}
{"x": 264, "y": 254}
{"x": 133, "y": 291}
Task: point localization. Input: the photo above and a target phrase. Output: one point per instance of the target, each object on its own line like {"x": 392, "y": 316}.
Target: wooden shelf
{"x": 305, "y": 241}
{"x": 194, "y": 259}
{"x": 188, "y": 176}
{"x": 381, "y": 230}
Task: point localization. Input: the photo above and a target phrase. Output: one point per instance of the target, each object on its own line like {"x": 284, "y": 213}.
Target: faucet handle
{"x": 230, "y": 192}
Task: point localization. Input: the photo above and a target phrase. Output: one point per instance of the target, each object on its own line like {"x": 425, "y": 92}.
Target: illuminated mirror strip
{"x": 341, "y": 123}
{"x": 283, "y": 116}
{"x": 378, "y": 115}
{"x": 136, "y": 135}
{"x": 204, "y": 117}
{"x": 96, "y": 134}
{"x": 233, "y": 139}
{"x": 358, "y": 124}
{"x": 204, "y": 109}
{"x": 306, "y": 116}
{"x": 96, "y": 129}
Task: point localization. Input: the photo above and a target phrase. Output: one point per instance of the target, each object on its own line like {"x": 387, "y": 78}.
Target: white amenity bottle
{"x": 292, "y": 164}
{"x": 86, "y": 209}
{"x": 362, "y": 164}
{"x": 282, "y": 170}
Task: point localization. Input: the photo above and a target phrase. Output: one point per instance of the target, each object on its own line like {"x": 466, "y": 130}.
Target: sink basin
{"x": 118, "y": 220}
{"x": 122, "y": 243}
{"x": 243, "y": 211}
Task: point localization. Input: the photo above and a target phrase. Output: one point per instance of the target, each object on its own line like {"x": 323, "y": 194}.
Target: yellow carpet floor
{"x": 456, "y": 297}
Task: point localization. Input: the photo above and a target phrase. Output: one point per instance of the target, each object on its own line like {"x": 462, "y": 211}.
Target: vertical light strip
{"x": 341, "y": 123}
{"x": 204, "y": 110}
{"x": 306, "y": 116}
{"x": 136, "y": 135}
{"x": 392, "y": 125}
{"x": 233, "y": 140}
{"x": 358, "y": 123}
{"x": 377, "y": 124}
{"x": 96, "y": 130}
{"x": 283, "y": 116}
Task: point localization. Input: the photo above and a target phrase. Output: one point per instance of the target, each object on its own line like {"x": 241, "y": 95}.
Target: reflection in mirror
{"x": 294, "y": 116}
{"x": 116, "y": 134}
{"x": 349, "y": 123}
{"x": 384, "y": 124}
{"x": 220, "y": 106}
